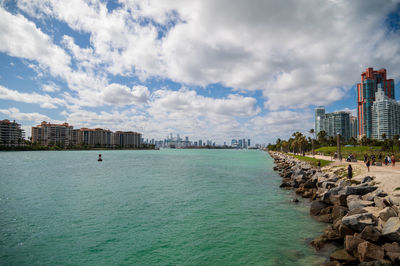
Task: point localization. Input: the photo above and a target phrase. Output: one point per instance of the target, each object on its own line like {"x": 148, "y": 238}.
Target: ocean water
{"x": 166, "y": 207}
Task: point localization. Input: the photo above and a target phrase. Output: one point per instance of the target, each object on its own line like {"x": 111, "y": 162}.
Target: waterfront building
{"x": 385, "y": 116}
{"x": 127, "y": 139}
{"x": 333, "y": 123}
{"x": 353, "y": 127}
{"x": 319, "y": 112}
{"x": 47, "y": 134}
{"x": 11, "y": 133}
{"x": 248, "y": 143}
{"x": 97, "y": 137}
{"x": 200, "y": 143}
{"x": 371, "y": 80}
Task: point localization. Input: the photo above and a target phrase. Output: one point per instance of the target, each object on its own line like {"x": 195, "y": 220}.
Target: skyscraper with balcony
{"x": 332, "y": 123}
{"x": 371, "y": 81}
{"x": 385, "y": 116}
{"x": 319, "y": 112}
{"x": 11, "y": 133}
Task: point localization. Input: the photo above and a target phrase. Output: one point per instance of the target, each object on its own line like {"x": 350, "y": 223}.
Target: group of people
{"x": 372, "y": 161}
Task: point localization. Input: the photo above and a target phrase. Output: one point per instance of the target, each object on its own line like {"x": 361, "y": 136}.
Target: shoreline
{"x": 362, "y": 218}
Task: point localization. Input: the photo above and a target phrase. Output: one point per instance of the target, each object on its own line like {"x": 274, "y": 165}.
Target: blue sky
{"x": 204, "y": 69}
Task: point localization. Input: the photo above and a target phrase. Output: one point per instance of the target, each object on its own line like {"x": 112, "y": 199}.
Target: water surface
{"x": 175, "y": 207}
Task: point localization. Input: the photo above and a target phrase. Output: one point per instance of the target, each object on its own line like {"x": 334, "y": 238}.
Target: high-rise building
{"x": 371, "y": 80}
{"x": 353, "y": 127}
{"x": 248, "y": 143}
{"x": 47, "y": 134}
{"x": 385, "y": 116}
{"x": 333, "y": 123}
{"x": 200, "y": 143}
{"x": 11, "y": 133}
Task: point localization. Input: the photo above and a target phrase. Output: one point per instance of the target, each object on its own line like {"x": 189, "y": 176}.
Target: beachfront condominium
{"x": 385, "y": 116}
{"x": 64, "y": 135}
{"x": 371, "y": 81}
{"x": 47, "y": 134}
{"x": 353, "y": 127}
{"x": 333, "y": 123}
{"x": 11, "y": 133}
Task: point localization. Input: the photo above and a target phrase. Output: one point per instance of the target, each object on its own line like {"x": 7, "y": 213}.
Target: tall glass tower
{"x": 371, "y": 80}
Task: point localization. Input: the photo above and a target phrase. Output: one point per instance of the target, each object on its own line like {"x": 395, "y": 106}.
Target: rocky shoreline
{"x": 360, "y": 216}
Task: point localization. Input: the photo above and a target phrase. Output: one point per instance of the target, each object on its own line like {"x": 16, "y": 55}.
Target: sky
{"x": 205, "y": 69}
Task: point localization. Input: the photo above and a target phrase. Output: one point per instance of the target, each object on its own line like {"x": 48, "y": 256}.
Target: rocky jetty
{"x": 361, "y": 217}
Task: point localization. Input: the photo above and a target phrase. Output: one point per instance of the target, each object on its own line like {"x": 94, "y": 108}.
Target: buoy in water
{"x": 99, "y": 160}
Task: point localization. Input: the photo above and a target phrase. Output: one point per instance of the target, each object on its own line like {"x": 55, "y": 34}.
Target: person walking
{"x": 393, "y": 160}
{"x": 368, "y": 164}
{"x": 349, "y": 172}
{"x": 319, "y": 165}
{"x": 389, "y": 160}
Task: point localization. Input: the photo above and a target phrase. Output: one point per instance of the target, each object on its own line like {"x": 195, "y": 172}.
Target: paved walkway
{"x": 387, "y": 177}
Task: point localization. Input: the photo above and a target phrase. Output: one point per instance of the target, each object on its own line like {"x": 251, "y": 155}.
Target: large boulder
{"x": 391, "y": 229}
{"x": 359, "y": 190}
{"x": 392, "y": 250}
{"x": 341, "y": 255}
{"x": 351, "y": 243}
{"x": 381, "y": 202}
{"x": 370, "y": 233}
{"x": 355, "y": 202}
{"x": 386, "y": 213}
{"x": 316, "y": 207}
{"x": 366, "y": 179}
{"x": 358, "y": 222}
{"x": 376, "y": 193}
{"x": 310, "y": 184}
{"x": 344, "y": 230}
{"x": 381, "y": 262}
{"x": 368, "y": 251}
{"x": 339, "y": 212}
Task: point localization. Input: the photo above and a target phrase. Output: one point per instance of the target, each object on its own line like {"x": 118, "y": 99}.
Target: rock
{"x": 392, "y": 251}
{"x": 342, "y": 256}
{"x": 310, "y": 184}
{"x": 359, "y": 190}
{"x": 351, "y": 243}
{"x": 366, "y": 179}
{"x": 285, "y": 185}
{"x": 332, "y": 263}
{"x": 319, "y": 242}
{"x": 316, "y": 207}
{"x": 328, "y": 185}
{"x": 393, "y": 200}
{"x": 295, "y": 200}
{"x": 358, "y": 203}
{"x": 381, "y": 262}
{"x": 343, "y": 183}
{"x": 338, "y": 212}
{"x": 339, "y": 199}
{"x": 325, "y": 218}
{"x": 327, "y": 210}
{"x": 344, "y": 230}
{"x": 386, "y": 213}
{"x": 356, "y": 211}
{"x": 391, "y": 229}
{"x": 368, "y": 251}
{"x": 370, "y": 233}
{"x": 358, "y": 222}
{"x": 377, "y": 193}
{"x": 381, "y": 202}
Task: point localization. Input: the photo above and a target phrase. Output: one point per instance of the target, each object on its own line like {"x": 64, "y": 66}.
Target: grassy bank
{"x": 310, "y": 160}
{"x": 357, "y": 151}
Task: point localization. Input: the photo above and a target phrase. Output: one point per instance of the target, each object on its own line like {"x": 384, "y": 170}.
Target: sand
{"x": 386, "y": 177}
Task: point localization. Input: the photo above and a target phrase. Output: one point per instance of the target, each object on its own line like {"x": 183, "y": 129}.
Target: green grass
{"x": 398, "y": 188}
{"x": 357, "y": 151}
{"x": 310, "y": 160}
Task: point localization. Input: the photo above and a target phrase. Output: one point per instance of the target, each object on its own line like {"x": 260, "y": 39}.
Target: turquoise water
{"x": 166, "y": 207}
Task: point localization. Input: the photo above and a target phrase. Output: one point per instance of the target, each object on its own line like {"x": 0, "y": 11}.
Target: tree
{"x": 312, "y": 141}
{"x": 364, "y": 141}
{"x": 396, "y": 140}
{"x": 384, "y": 136}
{"x": 322, "y": 137}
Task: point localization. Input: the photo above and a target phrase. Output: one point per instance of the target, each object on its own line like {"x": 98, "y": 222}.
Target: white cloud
{"x": 14, "y": 113}
{"x": 50, "y": 87}
{"x": 121, "y": 95}
{"x": 45, "y": 101}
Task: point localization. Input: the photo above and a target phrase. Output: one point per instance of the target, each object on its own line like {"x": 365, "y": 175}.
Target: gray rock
{"x": 367, "y": 179}
{"x": 381, "y": 202}
{"x": 358, "y": 222}
{"x": 355, "y": 202}
{"x": 368, "y": 251}
{"x": 316, "y": 207}
{"x": 377, "y": 193}
{"x": 386, "y": 213}
{"x": 370, "y": 233}
{"x": 391, "y": 229}
{"x": 359, "y": 190}
{"x": 310, "y": 184}
{"x": 338, "y": 212}
{"x": 328, "y": 185}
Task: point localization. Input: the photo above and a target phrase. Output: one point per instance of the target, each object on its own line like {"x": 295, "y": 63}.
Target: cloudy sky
{"x": 205, "y": 69}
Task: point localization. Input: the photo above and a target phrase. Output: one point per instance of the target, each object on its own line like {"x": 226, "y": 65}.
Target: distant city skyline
{"x": 256, "y": 70}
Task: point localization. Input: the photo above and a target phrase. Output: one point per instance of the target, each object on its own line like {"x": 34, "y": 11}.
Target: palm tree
{"x": 396, "y": 139}
{"x": 384, "y": 136}
{"x": 312, "y": 141}
{"x": 322, "y": 137}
